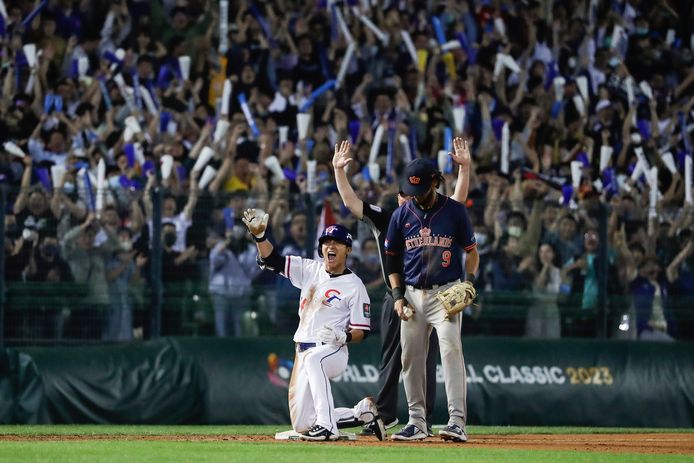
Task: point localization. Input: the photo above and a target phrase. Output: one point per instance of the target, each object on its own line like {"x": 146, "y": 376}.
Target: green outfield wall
{"x": 237, "y": 381}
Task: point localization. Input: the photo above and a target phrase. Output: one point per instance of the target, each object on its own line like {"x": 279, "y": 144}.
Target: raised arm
{"x": 341, "y": 160}
{"x": 21, "y": 200}
{"x": 192, "y": 198}
{"x": 257, "y": 226}
{"x": 461, "y": 155}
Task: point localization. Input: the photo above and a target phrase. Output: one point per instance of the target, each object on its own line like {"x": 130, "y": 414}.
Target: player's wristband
{"x": 470, "y": 277}
{"x": 398, "y": 293}
{"x": 261, "y": 239}
{"x": 349, "y": 337}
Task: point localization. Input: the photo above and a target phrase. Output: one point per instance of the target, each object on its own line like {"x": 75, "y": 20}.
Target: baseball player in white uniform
{"x": 334, "y": 310}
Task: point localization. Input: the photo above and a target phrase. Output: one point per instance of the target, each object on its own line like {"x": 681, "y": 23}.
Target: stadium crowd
{"x": 114, "y": 113}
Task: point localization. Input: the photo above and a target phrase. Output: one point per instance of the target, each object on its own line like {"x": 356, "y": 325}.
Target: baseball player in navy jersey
{"x": 424, "y": 244}
{"x": 377, "y": 219}
{"x": 334, "y": 310}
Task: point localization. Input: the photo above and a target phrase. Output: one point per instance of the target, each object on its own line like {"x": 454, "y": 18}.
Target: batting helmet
{"x": 337, "y": 232}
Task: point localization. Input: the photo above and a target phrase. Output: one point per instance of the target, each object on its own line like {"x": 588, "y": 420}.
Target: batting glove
{"x": 330, "y": 335}
{"x": 256, "y": 222}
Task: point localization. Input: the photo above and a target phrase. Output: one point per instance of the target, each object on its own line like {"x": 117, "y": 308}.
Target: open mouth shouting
{"x": 331, "y": 256}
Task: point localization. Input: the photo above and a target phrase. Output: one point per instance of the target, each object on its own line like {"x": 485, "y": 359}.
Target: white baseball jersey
{"x": 337, "y": 301}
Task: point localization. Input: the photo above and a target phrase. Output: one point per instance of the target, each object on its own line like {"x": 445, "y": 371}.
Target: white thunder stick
{"x": 669, "y": 161}
{"x": 376, "y": 144}
{"x": 346, "y": 60}
{"x": 311, "y": 185}
{"x": 131, "y": 121}
{"x": 205, "y": 155}
{"x": 578, "y": 103}
{"x": 57, "y": 174}
{"x": 82, "y": 66}
{"x": 149, "y": 102}
{"x": 459, "y": 119}
{"x": 409, "y": 44}
{"x": 220, "y": 130}
{"x": 184, "y": 66}
{"x": 405, "y": 144}
{"x": 166, "y": 166}
{"x": 450, "y": 46}
{"x": 510, "y": 63}
{"x": 223, "y": 26}
{"x": 653, "y": 192}
{"x": 273, "y": 165}
{"x": 283, "y": 134}
{"x": 120, "y": 83}
{"x": 576, "y": 174}
{"x": 100, "y": 186}
{"x": 302, "y": 122}
{"x": 343, "y": 26}
{"x": 13, "y": 149}
{"x": 375, "y": 171}
{"x": 226, "y": 97}
{"x": 382, "y": 36}
{"x": 605, "y": 156}
{"x": 559, "y": 83}
{"x": 582, "y": 83}
{"x": 629, "y": 83}
{"x": 442, "y": 159}
{"x": 505, "y": 148}
{"x": 30, "y": 54}
{"x": 207, "y": 176}
{"x": 639, "y": 169}
{"x": 646, "y": 89}
{"x": 688, "y": 179}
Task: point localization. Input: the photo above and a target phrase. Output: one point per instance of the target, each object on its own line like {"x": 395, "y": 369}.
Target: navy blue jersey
{"x": 430, "y": 242}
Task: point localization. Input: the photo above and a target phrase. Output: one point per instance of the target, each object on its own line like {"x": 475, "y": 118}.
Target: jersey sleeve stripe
{"x": 360, "y": 326}
{"x": 471, "y": 247}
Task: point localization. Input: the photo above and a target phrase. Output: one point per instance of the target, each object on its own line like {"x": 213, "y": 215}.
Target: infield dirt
{"x": 655, "y": 443}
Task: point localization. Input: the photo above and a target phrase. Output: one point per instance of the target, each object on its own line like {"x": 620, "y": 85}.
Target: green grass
{"x": 280, "y": 452}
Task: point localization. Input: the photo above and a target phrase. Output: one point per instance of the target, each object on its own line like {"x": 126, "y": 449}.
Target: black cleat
{"x": 318, "y": 433}
{"x": 454, "y": 433}
{"x": 409, "y": 432}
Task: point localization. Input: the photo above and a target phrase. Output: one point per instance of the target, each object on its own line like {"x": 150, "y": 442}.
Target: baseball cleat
{"x": 409, "y": 432}
{"x": 454, "y": 433}
{"x": 368, "y": 430}
{"x": 379, "y": 429}
{"x": 318, "y": 433}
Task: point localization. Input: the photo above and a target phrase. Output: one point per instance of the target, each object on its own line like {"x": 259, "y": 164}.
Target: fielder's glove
{"x": 457, "y": 297}
{"x": 330, "y": 335}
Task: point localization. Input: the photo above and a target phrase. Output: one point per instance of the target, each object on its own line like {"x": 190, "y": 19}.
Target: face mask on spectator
{"x": 126, "y": 245}
{"x": 49, "y": 250}
{"x": 69, "y": 187}
{"x": 169, "y": 239}
{"x": 515, "y": 231}
{"x": 481, "y": 240}
{"x": 371, "y": 259}
{"x": 114, "y": 182}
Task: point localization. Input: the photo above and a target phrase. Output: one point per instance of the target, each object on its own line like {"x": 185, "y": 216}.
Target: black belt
{"x": 426, "y": 288}
{"x": 304, "y": 346}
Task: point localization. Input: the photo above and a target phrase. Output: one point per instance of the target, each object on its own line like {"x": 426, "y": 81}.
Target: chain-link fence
{"x": 546, "y": 271}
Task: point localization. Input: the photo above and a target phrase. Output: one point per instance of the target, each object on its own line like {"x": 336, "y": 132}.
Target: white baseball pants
{"x": 310, "y": 393}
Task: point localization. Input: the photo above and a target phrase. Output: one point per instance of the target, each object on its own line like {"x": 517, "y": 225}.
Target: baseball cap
{"x": 337, "y": 232}
{"x": 417, "y": 177}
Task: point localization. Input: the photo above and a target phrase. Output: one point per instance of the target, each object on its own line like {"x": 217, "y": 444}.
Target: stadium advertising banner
{"x": 510, "y": 382}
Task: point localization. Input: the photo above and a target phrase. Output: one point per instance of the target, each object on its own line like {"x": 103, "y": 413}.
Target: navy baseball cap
{"x": 337, "y": 232}
{"x": 417, "y": 177}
